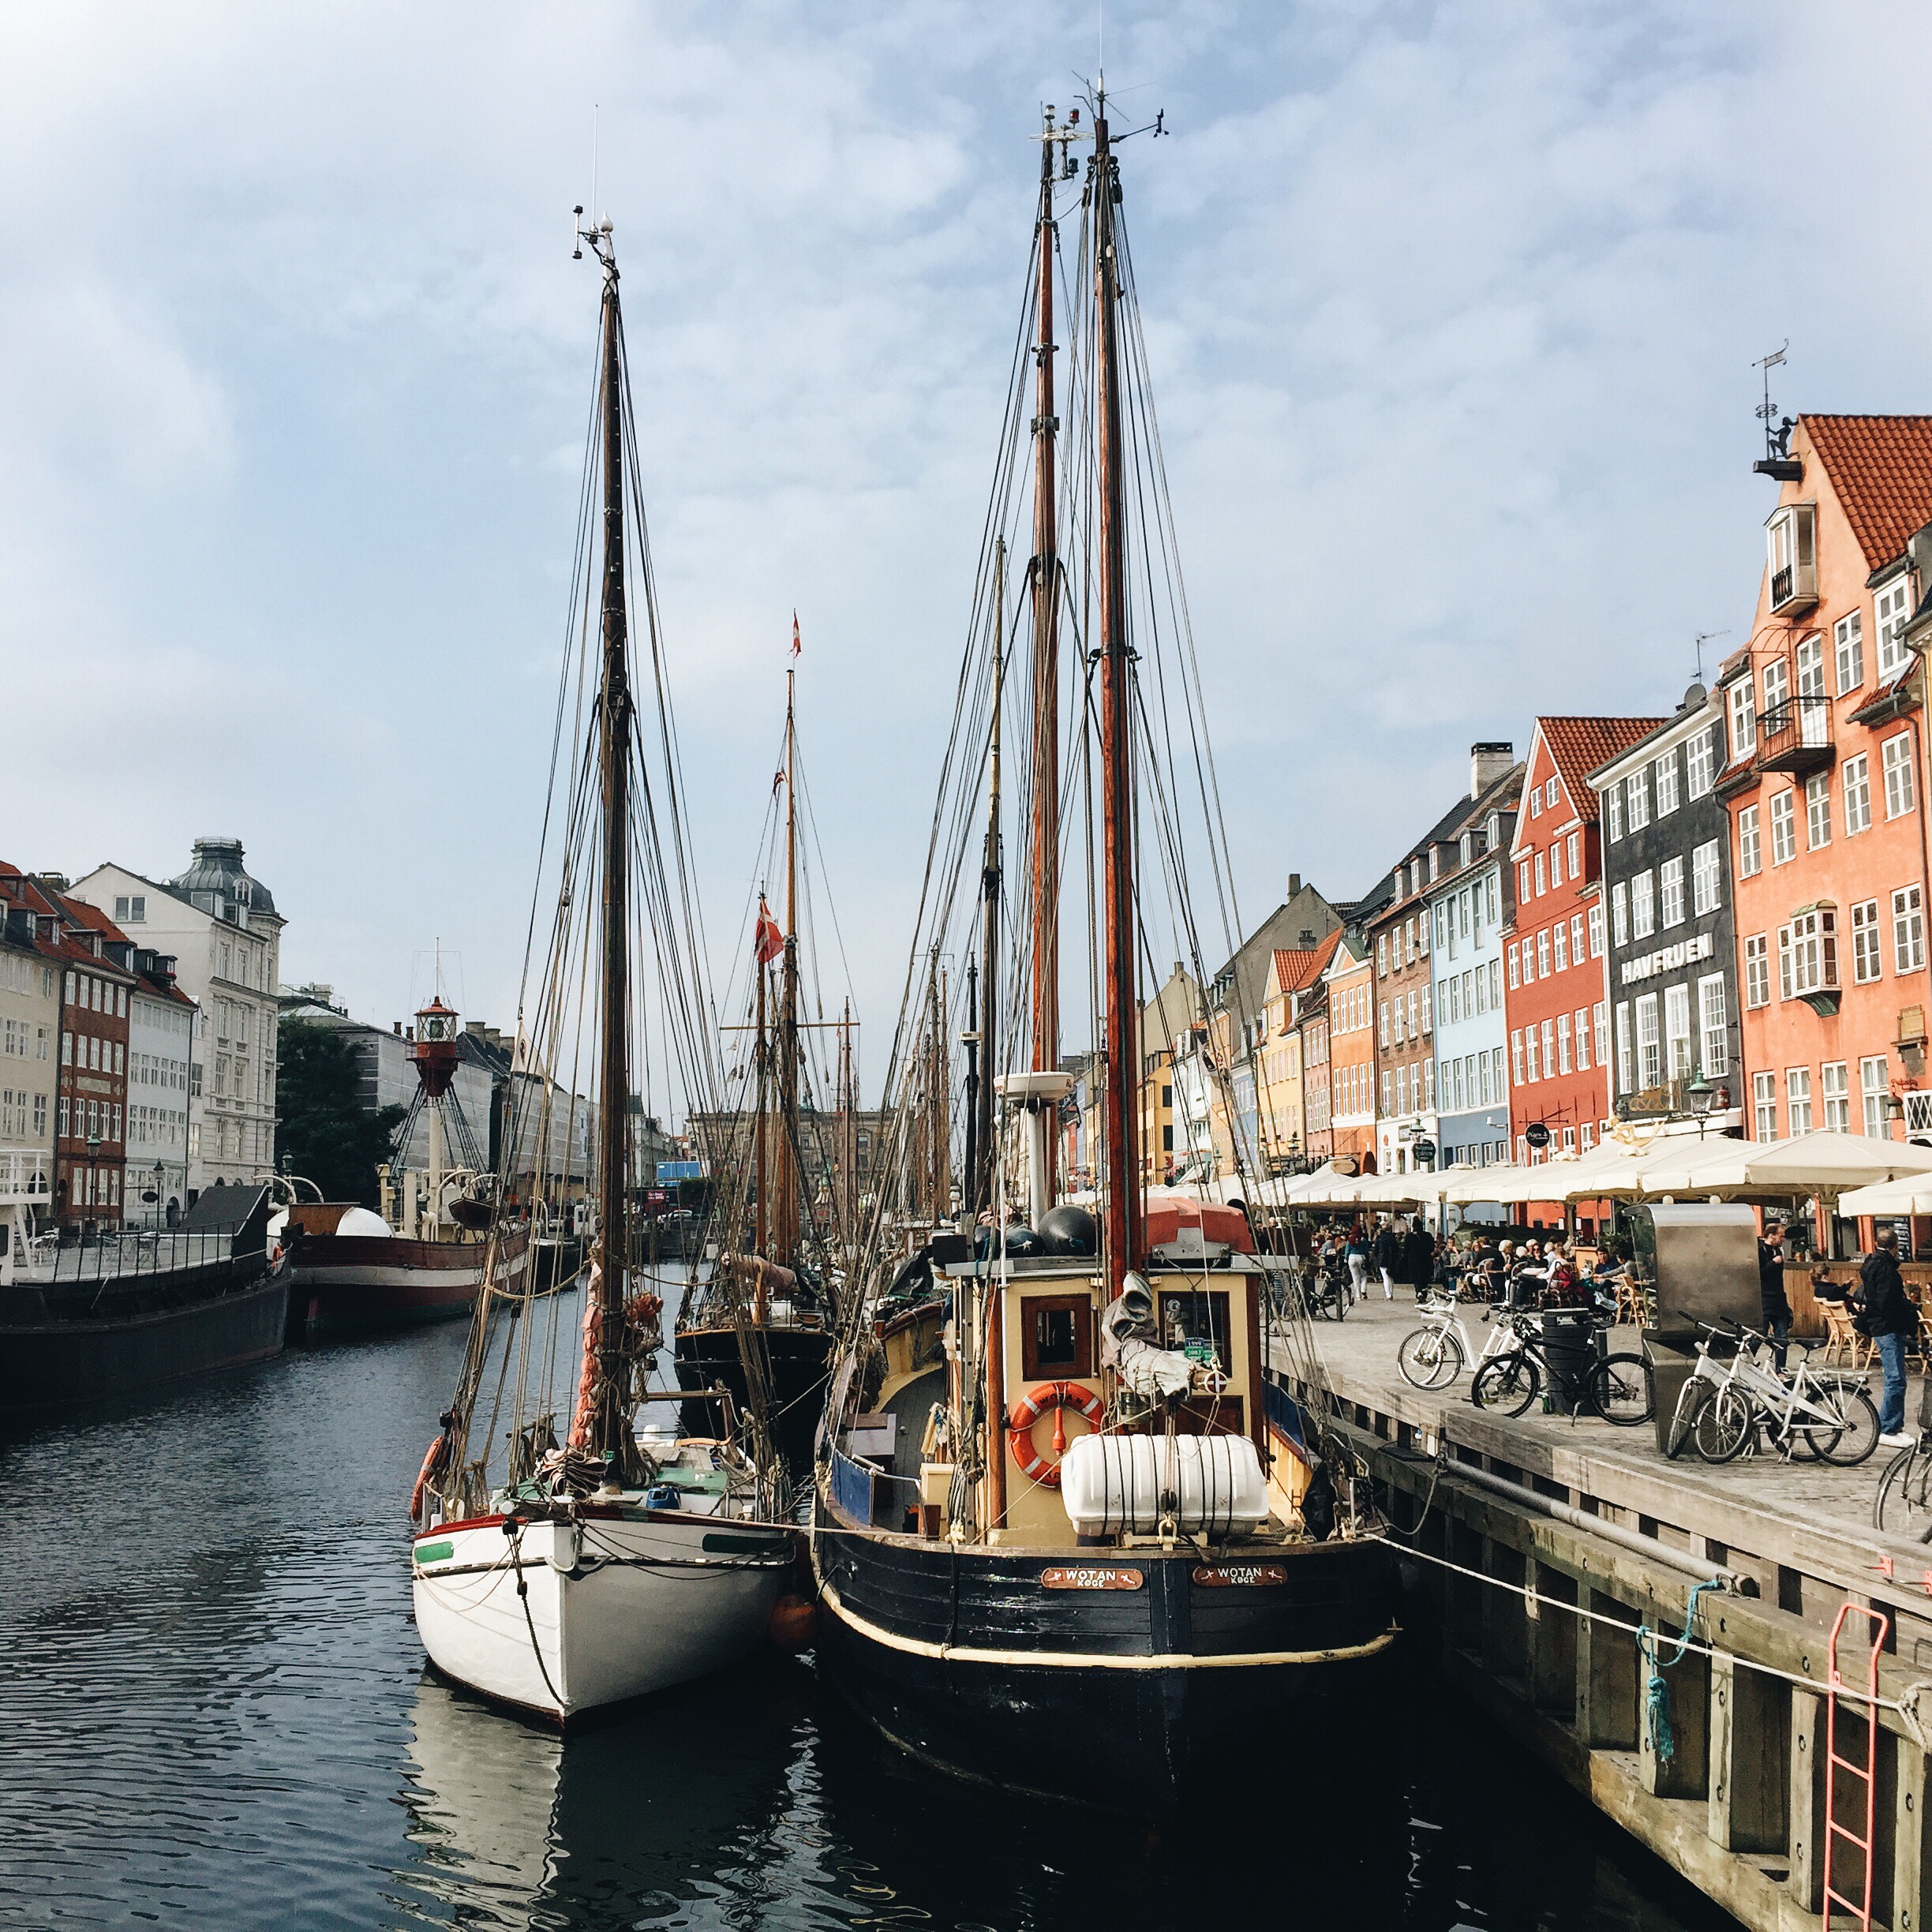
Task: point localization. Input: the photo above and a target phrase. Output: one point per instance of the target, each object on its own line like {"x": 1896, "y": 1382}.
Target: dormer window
{"x": 1466, "y": 847}
{"x": 1792, "y": 544}
{"x": 1493, "y": 832}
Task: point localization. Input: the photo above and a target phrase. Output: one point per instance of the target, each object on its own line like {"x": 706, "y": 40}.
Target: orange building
{"x": 1824, "y": 782}
{"x": 1350, "y": 979}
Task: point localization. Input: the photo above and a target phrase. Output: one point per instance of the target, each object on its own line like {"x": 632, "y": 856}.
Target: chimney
{"x": 1489, "y": 759}
{"x": 1294, "y": 887}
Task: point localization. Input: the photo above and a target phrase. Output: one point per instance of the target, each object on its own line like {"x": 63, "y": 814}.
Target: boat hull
{"x": 799, "y": 1359}
{"x": 352, "y": 1284}
{"x": 611, "y": 1609}
{"x": 124, "y": 1342}
{"x": 1128, "y": 1698}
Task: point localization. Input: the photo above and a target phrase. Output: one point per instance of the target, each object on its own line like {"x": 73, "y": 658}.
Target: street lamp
{"x": 1701, "y": 1093}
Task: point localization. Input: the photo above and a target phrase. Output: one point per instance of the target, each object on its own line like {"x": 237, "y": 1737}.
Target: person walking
{"x": 1774, "y": 1306}
{"x": 1886, "y": 1314}
{"x": 1357, "y": 1254}
{"x": 1388, "y": 1255}
{"x": 1419, "y": 1259}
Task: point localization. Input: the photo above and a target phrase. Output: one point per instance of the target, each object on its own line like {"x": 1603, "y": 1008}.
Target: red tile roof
{"x": 1296, "y": 967}
{"x": 1578, "y": 745}
{"x": 1881, "y": 466}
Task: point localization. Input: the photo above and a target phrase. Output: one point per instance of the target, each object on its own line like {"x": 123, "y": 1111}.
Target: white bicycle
{"x": 1724, "y": 1410}
{"x": 1432, "y": 1356}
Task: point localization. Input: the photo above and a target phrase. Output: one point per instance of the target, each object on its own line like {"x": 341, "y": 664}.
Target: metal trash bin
{"x": 1571, "y": 1354}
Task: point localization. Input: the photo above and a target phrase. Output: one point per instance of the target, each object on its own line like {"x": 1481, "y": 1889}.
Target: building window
{"x": 1535, "y": 801}
{"x": 1549, "y": 796}
{"x": 1562, "y": 1043}
{"x": 1596, "y": 932}
{"x": 1714, "y": 1029}
{"x": 1757, "y": 971}
{"x": 1783, "y": 830}
{"x": 1626, "y": 1070}
{"x": 1559, "y": 946}
{"x": 1808, "y": 953}
{"x": 1848, "y": 649}
{"x": 1613, "y": 813}
{"x": 1514, "y": 977}
{"x": 1576, "y": 938}
{"x": 1817, "y": 811}
{"x": 1516, "y": 1060}
{"x": 1857, "y": 794}
{"x": 1574, "y": 845}
{"x": 1704, "y": 886}
{"x": 1677, "y": 1031}
{"x": 1764, "y": 1106}
{"x": 1671, "y": 893}
{"x": 1643, "y": 906}
{"x": 1743, "y": 718}
{"x": 1798, "y": 1100}
{"x": 1620, "y": 913}
{"x": 1582, "y": 1040}
{"x": 1650, "y": 1044}
{"x": 1666, "y": 769}
{"x": 1601, "y": 1016}
{"x": 1541, "y": 876}
{"x": 1543, "y": 954}
{"x": 1875, "y": 1092}
{"x": 1427, "y": 1021}
{"x": 1700, "y": 764}
{"x": 1750, "y": 853}
{"x": 1522, "y": 881}
{"x": 1776, "y": 689}
{"x": 1384, "y": 1035}
{"x": 130, "y": 909}
{"x": 1890, "y": 608}
{"x": 1382, "y": 957}
{"x": 1907, "y": 929}
{"x": 1865, "y": 951}
{"x": 1834, "y": 1085}
{"x": 1896, "y": 754}
{"x": 1636, "y": 799}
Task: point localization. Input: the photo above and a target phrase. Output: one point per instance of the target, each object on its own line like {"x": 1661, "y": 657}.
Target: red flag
{"x": 795, "y": 645}
{"x": 767, "y": 942}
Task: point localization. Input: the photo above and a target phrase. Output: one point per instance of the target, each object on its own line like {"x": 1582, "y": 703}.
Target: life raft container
{"x": 1030, "y": 1408}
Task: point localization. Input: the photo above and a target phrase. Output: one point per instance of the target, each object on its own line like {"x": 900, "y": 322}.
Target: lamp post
{"x": 1701, "y": 1093}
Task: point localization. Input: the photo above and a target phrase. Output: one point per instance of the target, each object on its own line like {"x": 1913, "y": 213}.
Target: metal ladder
{"x": 1862, "y": 1779}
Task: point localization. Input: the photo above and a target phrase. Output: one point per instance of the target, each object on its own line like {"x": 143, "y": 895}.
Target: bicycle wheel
{"x": 1622, "y": 1389}
{"x": 1429, "y": 1357}
{"x": 1903, "y": 1505}
{"x": 1726, "y": 1426}
{"x": 1511, "y": 1384}
{"x": 1692, "y": 1399}
{"x": 1847, "y": 1447}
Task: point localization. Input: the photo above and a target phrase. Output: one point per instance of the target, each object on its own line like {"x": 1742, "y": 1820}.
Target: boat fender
{"x": 794, "y": 1625}
{"x": 563, "y": 1549}
{"x": 1030, "y": 1408}
{"x": 431, "y": 1463}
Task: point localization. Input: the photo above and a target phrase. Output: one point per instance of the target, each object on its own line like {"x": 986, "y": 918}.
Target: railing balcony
{"x": 24, "y": 1181}
{"x": 1795, "y": 735}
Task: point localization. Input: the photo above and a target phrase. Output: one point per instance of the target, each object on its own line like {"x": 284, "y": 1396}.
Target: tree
{"x": 326, "y": 1134}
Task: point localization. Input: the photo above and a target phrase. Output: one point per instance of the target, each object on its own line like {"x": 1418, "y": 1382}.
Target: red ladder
{"x": 1865, "y": 1776}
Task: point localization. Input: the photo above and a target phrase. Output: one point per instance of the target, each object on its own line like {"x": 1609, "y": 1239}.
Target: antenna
{"x": 1703, "y": 637}
{"x": 595, "y": 131}
{"x": 1776, "y": 440}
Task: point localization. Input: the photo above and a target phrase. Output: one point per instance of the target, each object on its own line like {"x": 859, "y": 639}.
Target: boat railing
{"x": 124, "y": 1254}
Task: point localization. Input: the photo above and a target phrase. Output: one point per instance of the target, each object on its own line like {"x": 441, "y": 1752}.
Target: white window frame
{"x": 1900, "y": 792}
{"x": 1706, "y": 881}
{"x": 1817, "y": 811}
{"x": 1671, "y": 894}
{"x": 1855, "y": 783}
{"x": 1700, "y": 764}
{"x": 1764, "y": 1106}
{"x": 1867, "y": 944}
{"x": 1668, "y": 792}
{"x": 1743, "y": 718}
{"x": 1713, "y": 1028}
{"x": 1643, "y": 905}
{"x": 1784, "y": 827}
{"x": 1750, "y": 844}
{"x": 1613, "y": 813}
{"x": 1875, "y": 1096}
{"x": 1891, "y": 608}
{"x": 1908, "y": 952}
{"x": 1649, "y": 1043}
{"x": 1798, "y": 1100}
{"x": 1757, "y": 971}
{"x": 1835, "y": 1093}
{"x": 1848, "y": 651}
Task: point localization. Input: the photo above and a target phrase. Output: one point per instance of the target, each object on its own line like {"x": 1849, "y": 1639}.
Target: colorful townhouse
{"x": 1824, "y": 784}
{"x": 1350, "y": 980}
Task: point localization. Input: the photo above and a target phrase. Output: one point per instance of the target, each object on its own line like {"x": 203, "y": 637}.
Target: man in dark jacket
{"x": 1419, "y": 1259}
{"x": 1388, "y": 1256}
{"x": 1773, "y": 1304}
{"x": 1886, "y": 1314}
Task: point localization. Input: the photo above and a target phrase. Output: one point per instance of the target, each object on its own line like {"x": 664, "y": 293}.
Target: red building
{"x": 95, "y": 961}
{"x": 1554, "y": 1004}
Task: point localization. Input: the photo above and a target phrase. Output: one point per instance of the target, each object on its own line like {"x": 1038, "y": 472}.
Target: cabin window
{"x": 1197, "y": 1316}
{"x": 1057, "y": 1338}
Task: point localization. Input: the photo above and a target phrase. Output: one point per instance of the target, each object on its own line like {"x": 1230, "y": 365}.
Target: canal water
{"x": 213, "y": 1713}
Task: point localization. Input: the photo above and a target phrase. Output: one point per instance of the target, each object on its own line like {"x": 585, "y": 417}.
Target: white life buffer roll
{"x": 1212, "y": 1484}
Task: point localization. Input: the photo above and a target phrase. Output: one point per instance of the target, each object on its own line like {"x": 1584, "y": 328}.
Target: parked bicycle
{"x": 1903, "y": 1506}
{"x": 1619, "y": 1388}
{"x": 1432, "y": 1356}
{"x": 1726, "y": 1409}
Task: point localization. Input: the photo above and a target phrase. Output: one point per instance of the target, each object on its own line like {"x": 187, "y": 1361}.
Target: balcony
{"x": 1795, "y": 735}
{"x": 1791, "y": 541}
{"x": 25, "y": 1181}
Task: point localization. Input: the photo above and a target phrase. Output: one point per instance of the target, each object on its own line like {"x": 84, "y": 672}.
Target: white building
{"x": 161, "y": 1052}
{"x": 222, "y": 930}
{"x": 29, "y": 1028}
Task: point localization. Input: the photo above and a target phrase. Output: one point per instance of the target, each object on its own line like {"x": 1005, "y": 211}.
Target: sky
{"x": 1451, "y": 313}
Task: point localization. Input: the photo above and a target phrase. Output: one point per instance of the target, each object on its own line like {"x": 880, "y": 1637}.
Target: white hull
{"x": 613, "y": 1607}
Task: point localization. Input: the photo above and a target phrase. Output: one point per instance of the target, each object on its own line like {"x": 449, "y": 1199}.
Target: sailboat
{"x": 565, "y": 1562}
{"x": 1074, "y": 1532}
{"x": 762, "y": 1325}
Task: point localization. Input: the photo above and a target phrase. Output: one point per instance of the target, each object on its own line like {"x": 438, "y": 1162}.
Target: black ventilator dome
{"x": 1068, "y": 1231}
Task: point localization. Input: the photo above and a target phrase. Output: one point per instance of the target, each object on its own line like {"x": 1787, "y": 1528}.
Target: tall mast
{"x": 761, "y": 1065}
{"x": 611, "y": 1432}
{"x": 848, "y": 1133}
{"x": 1122, "y": 1164}
{"x": 979, "y": 1129}
{"x": 785, "y": 1217}
{"x": 1045, "y": 571}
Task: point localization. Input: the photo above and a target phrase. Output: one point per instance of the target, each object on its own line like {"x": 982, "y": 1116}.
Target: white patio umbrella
{"x": 1826, "y": 1163}
{"x": 1910, "y": 1194}
{"x": 1506, "y": 1181}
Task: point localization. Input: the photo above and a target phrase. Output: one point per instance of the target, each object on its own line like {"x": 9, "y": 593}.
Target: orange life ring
{"x": 1030, "y": 1408}
{"x": 432, "y": 1463}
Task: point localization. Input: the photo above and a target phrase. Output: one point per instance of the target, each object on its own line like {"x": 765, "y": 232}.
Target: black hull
{"x": 116, "y": 1341}
{"x": 800, "y": 1360}
{"x": 933, "y": 1644}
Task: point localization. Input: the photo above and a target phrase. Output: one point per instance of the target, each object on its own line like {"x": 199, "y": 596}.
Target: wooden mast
{"x": 761, "y": 1242}
{"x": 1121, "y": 1168}
{"x": 848, "y": 1133}
{"x": 1045, "y": 571}
{"x": 784, "y": 1044}
{"x": 610, "y": 1434}
{"x": 978, "y": 1177}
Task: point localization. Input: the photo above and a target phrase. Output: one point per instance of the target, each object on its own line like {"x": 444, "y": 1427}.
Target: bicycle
{"x": 1903, "y": 1506}
{"x": 1619, "y": 1388}
{"x": 1833, "y": 1419}
{"x": 1432, "y": 1356}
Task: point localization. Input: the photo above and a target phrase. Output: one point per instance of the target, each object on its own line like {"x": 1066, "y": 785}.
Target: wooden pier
{"x": 1560, "y": 1557}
